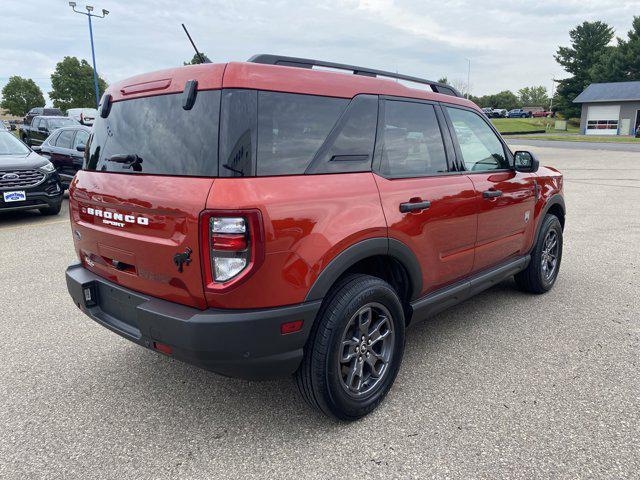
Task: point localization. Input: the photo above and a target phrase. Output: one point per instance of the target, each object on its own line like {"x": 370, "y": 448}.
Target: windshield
{"x": 10, "y": 145}
{"x": 156, "y": 135}
{"x": 60, "y": 122}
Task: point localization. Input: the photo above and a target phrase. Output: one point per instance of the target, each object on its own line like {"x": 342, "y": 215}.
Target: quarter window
{"x": 412, "y": 144}
{"x": 291, "y": 129}
{"x": 481, "y": 148}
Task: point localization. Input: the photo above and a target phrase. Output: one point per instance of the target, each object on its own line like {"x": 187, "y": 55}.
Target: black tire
{"x": 320, "y": 378}
{"x": 55, "y": 210}
{"x": 534, "y": 278}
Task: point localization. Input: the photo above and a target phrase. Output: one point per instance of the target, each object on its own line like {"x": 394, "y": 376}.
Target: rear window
{"x": 155, "y": 135}
{"x": 54, "y": 123}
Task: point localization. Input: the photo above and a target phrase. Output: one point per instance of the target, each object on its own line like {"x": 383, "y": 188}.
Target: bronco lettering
{"x": 120, "y": 217}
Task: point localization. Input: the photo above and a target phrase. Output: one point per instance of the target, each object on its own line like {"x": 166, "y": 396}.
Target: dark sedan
{"x": 65, "y": 149}
{"x": 27, "y": 180}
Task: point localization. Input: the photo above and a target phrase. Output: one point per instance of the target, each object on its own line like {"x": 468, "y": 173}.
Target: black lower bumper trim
{"x": 235, "y": 343}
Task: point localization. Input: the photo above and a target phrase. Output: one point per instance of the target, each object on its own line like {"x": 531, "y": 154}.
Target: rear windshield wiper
{"x": 131, "y": 160}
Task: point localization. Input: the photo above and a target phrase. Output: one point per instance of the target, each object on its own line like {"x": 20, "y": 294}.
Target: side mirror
{"x": 80, "y": 147}
{"x": 37, "y": 149}
{"x": 526, "y": 162}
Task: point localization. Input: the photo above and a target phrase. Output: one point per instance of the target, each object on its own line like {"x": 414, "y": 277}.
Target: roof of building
{"x": 610, "y": 92}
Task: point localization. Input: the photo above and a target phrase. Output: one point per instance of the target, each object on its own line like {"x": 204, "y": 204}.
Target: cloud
{"x": 510, "y": 44}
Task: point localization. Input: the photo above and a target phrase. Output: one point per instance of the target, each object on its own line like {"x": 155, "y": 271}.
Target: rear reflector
{"x": 229, "y": 242}
{"x": 291, "y": 327}
{"x": 161, "y": 347}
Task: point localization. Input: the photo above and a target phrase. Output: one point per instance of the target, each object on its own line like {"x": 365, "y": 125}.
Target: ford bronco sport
{"x": 278, "y": 217}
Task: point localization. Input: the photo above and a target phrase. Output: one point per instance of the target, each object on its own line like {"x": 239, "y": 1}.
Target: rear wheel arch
{"x": 388, "y": 259}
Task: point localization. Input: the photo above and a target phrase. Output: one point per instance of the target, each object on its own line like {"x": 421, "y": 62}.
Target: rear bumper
{"x": 235, "y": 343}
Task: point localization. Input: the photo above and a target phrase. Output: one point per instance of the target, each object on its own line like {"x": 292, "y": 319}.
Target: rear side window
{"x": 481, "y": 148}
{"x": 156, "y": 135}
{"x": 65, "y": 139}
{"x": 412, "y": 144}
{"x": 271, "y": 133}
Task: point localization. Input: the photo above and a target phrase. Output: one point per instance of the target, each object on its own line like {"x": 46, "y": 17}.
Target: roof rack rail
{"x": 368, "y": 72}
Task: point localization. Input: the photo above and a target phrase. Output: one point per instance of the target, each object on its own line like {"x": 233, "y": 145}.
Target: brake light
{"x": 233, "y": 243}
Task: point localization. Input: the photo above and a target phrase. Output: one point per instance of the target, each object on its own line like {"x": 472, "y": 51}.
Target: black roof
{"x": 610, "y": 92}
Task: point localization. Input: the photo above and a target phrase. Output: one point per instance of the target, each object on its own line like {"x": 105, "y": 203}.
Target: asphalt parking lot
{"x": 506, "y": 385}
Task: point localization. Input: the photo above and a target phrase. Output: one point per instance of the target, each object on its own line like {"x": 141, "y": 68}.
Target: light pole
{"x": 468, "y": 77}
{"x": 88, "y": 13}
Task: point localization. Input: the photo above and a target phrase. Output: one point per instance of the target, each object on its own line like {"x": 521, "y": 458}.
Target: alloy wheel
{"x": 366, "y": 349}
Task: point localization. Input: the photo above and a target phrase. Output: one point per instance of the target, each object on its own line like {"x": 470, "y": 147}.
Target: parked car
{"x": 4, "y": 126}
{"x": 27, "y": 181}
{"x": 488, "y": 112}
{"x": 259, "y": 220}
{"x": 41, "y": 111}
{"x": 84, "y": 116}
{"x": 543, "y": 113}
{"x": 519, "y": 113}
{"x": 500, "y": 113}
{"x": 65, "y": 149}
{"x": 41, "y": 127}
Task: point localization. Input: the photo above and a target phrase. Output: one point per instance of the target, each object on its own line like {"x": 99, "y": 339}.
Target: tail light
{"x": 232, "y": 246}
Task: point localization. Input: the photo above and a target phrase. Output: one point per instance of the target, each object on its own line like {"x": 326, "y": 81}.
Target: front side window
{"x": 481, "y": 148}
{"x": 412, "y": 144}
{"x": 81, "y": 138}
{"x": 65, "y": 139}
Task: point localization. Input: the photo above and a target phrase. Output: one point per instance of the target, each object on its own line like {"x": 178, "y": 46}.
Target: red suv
{"x": 280, "y": 217}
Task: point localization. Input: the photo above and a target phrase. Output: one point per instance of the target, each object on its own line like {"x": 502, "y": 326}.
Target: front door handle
{"x": 491, "y": 193}
{"x": 414, "y": 206}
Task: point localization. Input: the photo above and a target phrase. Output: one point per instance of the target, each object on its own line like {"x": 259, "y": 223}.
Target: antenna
{"x": 200, "y": 56}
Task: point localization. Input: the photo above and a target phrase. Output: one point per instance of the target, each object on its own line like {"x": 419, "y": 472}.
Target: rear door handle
{"x": 491, "y": 193}
{"x": 414, "y": 206}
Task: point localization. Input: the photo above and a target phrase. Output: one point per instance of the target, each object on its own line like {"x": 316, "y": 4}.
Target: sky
{"x": 510, "y": 42}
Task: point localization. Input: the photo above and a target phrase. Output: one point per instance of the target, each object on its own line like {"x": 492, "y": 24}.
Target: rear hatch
{"x": 148, "y": 171}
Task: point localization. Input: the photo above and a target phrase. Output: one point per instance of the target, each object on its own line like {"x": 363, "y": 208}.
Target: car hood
{"x": 15, "y": 162}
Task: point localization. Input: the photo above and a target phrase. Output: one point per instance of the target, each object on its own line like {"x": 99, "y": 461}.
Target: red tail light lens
{"x": 233, "y": 245}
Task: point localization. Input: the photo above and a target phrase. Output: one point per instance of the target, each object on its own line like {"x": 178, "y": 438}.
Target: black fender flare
{"x": 359, "y": 251}
{"x": 555, "y": 199}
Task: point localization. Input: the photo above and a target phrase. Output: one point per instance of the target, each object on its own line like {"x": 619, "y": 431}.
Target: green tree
{"x": 588, "y": 44}
{"x": 629, "y": 51}
{"x": 20, "y": 95}
{"x": 505, "y": 99}
{"x": 444, "y": 80}
{"x": 533, "y": 96}
{"x": 196, "y": 59}
{"x": 72, "y": 84}
{"x": 610, "y": 68}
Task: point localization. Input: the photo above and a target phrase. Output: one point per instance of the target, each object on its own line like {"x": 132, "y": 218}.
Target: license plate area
{"x": 14, "y": 196}
{"x": 119, "y": 308}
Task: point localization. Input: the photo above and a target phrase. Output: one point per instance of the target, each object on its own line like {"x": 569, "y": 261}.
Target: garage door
{"x": 602, "y": 119}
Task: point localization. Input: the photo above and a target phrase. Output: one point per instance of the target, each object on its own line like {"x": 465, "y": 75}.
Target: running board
{"x": 451, "y": 295}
